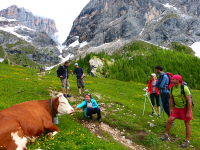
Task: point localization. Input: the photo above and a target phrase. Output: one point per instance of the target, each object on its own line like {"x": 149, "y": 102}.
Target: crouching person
{"x": 180, "y": 108}
{"x": 90, "y": 107}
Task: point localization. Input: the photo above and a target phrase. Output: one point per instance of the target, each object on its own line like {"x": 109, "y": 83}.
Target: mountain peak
{"x": 29, "y": 20}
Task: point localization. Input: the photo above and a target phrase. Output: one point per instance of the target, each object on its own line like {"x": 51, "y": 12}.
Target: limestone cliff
{"x": 157, "y": 21}
{"x": 29, "y": 20}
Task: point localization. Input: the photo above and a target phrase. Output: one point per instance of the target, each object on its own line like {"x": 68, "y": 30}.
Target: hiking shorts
{"x": 65, "y": 83}
{"x": 180, "y": 113}
{"x": 80, "y": 83}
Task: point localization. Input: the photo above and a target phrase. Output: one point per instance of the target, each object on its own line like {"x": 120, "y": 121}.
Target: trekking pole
{"x": 151, "y": 103}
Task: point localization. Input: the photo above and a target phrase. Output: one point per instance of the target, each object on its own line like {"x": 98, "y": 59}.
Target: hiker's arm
{"x": 148, "y": 90}
{"x": 189, "y": 106}
{"x": 171, "y": 103}
{"x": 163, "y": 82}
{"x": 82, "y": 104}
{"x": 71, "y": 72}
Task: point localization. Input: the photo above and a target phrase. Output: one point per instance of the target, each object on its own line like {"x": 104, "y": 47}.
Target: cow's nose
{"x": 72, "y": 110}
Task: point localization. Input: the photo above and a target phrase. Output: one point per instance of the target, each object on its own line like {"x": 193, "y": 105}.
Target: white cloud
{"x": 63, "y": 12}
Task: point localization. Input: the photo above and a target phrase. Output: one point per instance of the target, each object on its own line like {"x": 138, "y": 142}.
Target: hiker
{"x": 162, "y": 85}
{"x": 42, "y": 71}
{"x": 80, "y": 78}
{"x": 90, "y": 107}
{"x": 154, "y": 92}
{"x": 180, "y": 108}
{"x": 64, "y": 79}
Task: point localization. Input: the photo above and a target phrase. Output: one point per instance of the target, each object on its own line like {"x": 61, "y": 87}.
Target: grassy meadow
{"x": 124, "y": 103}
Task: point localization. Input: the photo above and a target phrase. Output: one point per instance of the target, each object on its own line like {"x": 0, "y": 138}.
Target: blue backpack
{"x": 183, "y": 92}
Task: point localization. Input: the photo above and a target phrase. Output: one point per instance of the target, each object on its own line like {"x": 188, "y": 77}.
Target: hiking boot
{"x": 68, "y": 95}
{"x": 165, "y": 137}
{"x": 65, "y": 95}
{"x": 152, "y": 113}
{"x": 100, "y": 120}
{"x": 185, "y": 144}
{"x": 158, "y": 116}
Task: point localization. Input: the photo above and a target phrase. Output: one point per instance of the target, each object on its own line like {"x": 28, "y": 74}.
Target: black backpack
{"x": 183, "y": 92}
{"x": 60, "y": 71}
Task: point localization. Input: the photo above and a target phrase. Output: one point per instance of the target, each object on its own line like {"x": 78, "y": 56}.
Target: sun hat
{"x": 153, "y": 74}
{"x": 76, "y": 64}
{"x": 178, "y": 77}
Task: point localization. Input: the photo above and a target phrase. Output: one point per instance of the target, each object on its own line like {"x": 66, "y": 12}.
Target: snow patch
{"x": 13, "y": 30}
{"x": 83, "y": 44}
{"x": 5, "y": 19}
{"x": 74, "y": 44}
{"x": 195, "y": 46}
{"x": 63, "y": 60}
{"x": 169, "y": 6}
{"x": 113, "y": 21}
{"x": 141, "y": 31}
{"x": 1, "y": 59}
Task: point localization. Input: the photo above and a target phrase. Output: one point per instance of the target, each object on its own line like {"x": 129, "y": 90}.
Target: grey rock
{"x": 106, "y": 21}
{"x": 29, "y": 20}
{"x": 94, "y": 63}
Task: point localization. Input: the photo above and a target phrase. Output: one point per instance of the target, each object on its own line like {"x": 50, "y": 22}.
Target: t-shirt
{"x": 89, "y": 104}
{"x": 176, "y": 92}
{"x": 154, "y": 86}
{"x": 79, "y": 72}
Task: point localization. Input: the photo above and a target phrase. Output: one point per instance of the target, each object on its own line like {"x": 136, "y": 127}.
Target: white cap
{"x": 153, "y": 74}
{"x": 76, "y": 64}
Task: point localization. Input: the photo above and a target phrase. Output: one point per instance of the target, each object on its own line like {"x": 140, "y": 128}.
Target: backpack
{"x": 59, "y": 71}
{"x": 183, "y": 92}
{"x": 169, "y": 75}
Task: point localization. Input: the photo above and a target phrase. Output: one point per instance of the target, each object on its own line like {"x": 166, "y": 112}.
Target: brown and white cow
{"x": 28, "y": 120}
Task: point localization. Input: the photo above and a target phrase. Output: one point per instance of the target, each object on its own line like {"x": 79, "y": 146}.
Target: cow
{"x": 28, "y": 120}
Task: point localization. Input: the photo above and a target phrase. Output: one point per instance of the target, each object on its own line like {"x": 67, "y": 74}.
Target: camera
{"x": 145, "y": 89}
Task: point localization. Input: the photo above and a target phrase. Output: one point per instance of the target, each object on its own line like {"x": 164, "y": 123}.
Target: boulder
{"x": 94, "y": 63}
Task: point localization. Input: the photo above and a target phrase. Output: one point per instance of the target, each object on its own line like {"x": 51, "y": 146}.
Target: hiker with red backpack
{"x": 162, "y": 84}
{"x": 180, "y": 107}
{"x": 154, "y": 92}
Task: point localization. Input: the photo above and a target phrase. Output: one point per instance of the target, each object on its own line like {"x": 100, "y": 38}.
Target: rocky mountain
{"x": 118, "y": 22}
{"x": 28, "y": 19}
{"x": 27, "y": 47}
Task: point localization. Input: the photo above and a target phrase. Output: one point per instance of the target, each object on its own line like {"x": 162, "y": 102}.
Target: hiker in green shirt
{"x": 180, "y": 107}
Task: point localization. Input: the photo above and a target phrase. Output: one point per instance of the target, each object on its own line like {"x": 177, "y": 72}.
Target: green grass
{"x": 1, "y": 52}
{"x": 19, "y": 84}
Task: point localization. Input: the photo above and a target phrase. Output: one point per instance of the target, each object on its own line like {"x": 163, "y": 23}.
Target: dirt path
{"x": 97, "y": 128}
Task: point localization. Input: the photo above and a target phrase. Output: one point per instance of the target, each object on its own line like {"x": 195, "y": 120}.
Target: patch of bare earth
{"x": 97, "y": 128}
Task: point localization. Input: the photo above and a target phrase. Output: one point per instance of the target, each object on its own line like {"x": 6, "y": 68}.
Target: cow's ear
{"x": 56, "y": 103}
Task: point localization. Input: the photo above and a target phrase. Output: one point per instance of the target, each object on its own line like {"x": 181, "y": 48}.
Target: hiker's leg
{"x": 67, "y": 90}
{"x": 89, "y": 112}
{"x": 158, "y": 103}
{"x": 79, "y": 90}
{"x": 165, "y": 100}
{"x": 98, "y": 111}
{"x": 63, "y": 85}
{"x": 83, "y": 85}
{"x": 79, "y": 85}
{"x": 169, "y": 124}
{"x": 67, "y": 85}
{"x": 152, "y": 102}
{"x": 188, "y": 130}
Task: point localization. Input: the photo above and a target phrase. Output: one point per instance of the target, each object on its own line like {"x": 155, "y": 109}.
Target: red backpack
{"x": 170, "y": 75}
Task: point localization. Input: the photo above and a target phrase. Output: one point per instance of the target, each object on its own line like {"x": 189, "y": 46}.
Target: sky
{"x": 63, "y": 12}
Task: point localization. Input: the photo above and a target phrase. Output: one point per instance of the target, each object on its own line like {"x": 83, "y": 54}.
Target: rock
{"x": 29, "y": 20}
{"x": 94, "y": 64}
{"x": 104, "y": 21}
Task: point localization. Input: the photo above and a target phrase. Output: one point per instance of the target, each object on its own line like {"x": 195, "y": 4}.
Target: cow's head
{"x": 63, "y": 105}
